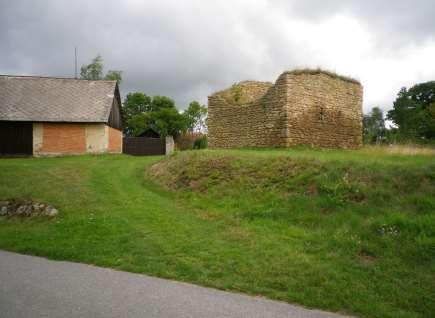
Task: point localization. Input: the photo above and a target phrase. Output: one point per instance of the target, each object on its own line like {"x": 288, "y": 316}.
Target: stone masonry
{"x": 303, "y": 107}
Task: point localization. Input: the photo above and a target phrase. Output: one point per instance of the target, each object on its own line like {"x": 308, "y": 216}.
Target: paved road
{"x": 37, "y": 287}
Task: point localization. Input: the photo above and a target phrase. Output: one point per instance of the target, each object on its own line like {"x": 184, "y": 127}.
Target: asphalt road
{"x": 37, "y": 287}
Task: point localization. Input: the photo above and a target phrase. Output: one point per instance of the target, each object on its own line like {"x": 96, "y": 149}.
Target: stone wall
{"x": 313, "y": 108}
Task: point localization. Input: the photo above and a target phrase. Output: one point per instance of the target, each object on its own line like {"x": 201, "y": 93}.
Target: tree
{"x": 94, "y": 71}
{"x": 137, "y": 124}
{"x": 374, "y": 126}
{"x": 167, "y": 121}
{"x": 141, "y": 112}
{"x": 114, "y": 76}
{"x": 134, "y": 110}
{"x": 195, "y": 116}
{"x": 414, "y": 112}
{"x": 161, "y": 102}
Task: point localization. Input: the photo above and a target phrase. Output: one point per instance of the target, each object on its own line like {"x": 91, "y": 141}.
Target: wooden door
{"x": 16, "y": 138}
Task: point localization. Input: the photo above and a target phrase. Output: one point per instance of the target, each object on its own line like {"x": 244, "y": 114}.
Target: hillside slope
{"x": 351, "y": 230}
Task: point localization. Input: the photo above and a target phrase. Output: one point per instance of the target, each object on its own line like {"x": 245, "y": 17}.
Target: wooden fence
{"x": 144, "y": 146}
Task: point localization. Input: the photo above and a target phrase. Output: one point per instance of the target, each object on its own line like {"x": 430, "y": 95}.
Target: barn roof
{"x": 34, "y": 98}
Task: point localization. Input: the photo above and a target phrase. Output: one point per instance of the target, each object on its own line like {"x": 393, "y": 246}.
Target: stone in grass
{"x": 3, "y": 210}
{"x": 26, "y": 209}
{"x": 38, "y": 207}
{"x": 50, "y": 211}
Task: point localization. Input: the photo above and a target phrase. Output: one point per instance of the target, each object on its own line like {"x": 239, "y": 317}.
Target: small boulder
{"x": 50, "y": 211}
{"x": 3, "y": 210}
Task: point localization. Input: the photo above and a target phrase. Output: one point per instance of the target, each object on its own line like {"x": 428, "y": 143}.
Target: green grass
{"x": 326, "y": 72}
{"x": 347, "y": 231}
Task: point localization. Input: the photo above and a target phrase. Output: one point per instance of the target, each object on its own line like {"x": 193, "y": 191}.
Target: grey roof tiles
{"x": 32, "y": 98}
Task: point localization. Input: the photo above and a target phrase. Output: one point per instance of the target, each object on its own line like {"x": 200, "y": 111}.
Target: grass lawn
{"x": 347, "y": 231}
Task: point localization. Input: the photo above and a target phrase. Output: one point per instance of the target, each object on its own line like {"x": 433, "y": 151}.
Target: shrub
{"x": 201, "y": 143}
{"x": 236, "y": 91}
{"x": 187, "y": 141}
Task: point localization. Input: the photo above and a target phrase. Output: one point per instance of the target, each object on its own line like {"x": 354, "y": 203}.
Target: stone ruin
{"x": 304, "y": 107}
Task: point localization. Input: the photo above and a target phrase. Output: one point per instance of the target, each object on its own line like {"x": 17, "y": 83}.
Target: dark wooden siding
{"x": 16, "y": 138}
{"x": 115, "y": 117}
{"x": 143, "y": 146}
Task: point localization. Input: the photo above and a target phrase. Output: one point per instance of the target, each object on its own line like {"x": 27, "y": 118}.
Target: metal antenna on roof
{"x": 75, "y": 62}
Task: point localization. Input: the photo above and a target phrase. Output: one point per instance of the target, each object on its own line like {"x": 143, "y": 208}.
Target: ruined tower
{"x": 303, "y": 107}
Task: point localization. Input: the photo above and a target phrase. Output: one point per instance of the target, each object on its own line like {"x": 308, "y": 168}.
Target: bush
{"x": 200, "y": 143}
{"x": 187, "y": 140}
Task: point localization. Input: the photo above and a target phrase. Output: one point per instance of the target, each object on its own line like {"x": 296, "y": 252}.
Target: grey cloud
{"x": 185, "y": 49}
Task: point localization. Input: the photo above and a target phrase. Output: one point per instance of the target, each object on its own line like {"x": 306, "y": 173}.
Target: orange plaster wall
{"x": 115, "y": 140}
{"x": 64, "y": 138}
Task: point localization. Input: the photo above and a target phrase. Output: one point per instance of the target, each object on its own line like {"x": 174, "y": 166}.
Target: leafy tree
{"x": 374, "y": 126}
{"x": 141, "y": 112}
{"x": 134, "y": 111}
{"x": 137, "y": 124}
{"x": 195, "y": 116}
{"x": 94, "y": 71}
{"x": 161, "y": 102}
{"x": 114, "y": 76}
{"x": 414, "y": 112}
{"x": 167, "y": 121}
{"x": 136, "y": 103}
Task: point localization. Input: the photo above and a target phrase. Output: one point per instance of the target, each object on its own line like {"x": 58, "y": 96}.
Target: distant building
{"x": 303, "y": 107}
{"x": 57, "y": 116}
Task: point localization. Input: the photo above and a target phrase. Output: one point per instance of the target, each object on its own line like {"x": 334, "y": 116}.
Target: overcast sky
{"x": 188, "y": 49}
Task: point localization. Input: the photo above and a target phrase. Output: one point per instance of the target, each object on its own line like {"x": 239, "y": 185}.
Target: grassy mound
{"x": 352, "y": 228}
{"x": 329, "y": 183}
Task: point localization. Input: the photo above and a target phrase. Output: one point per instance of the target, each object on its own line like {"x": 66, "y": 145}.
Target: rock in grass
{"x": 50, "y": 211}
{"x": 3, "y": 210}
{"x": 26, "y": 209}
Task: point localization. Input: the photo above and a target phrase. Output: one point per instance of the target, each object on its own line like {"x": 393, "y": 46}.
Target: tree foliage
{"x": 195, "y": 116}
{"x": 141, "y": 112}
{"x": 159, "y": 103}
{"x": 167, "y": 121}
{"x": 114, "y": 76}
{"x": 374, "y": 126}
{"x": 414, "y": 112}
{"x": 94, "y": 71}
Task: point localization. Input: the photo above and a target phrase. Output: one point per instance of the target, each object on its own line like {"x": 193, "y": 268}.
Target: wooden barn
{"x": 57, "y": 116}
